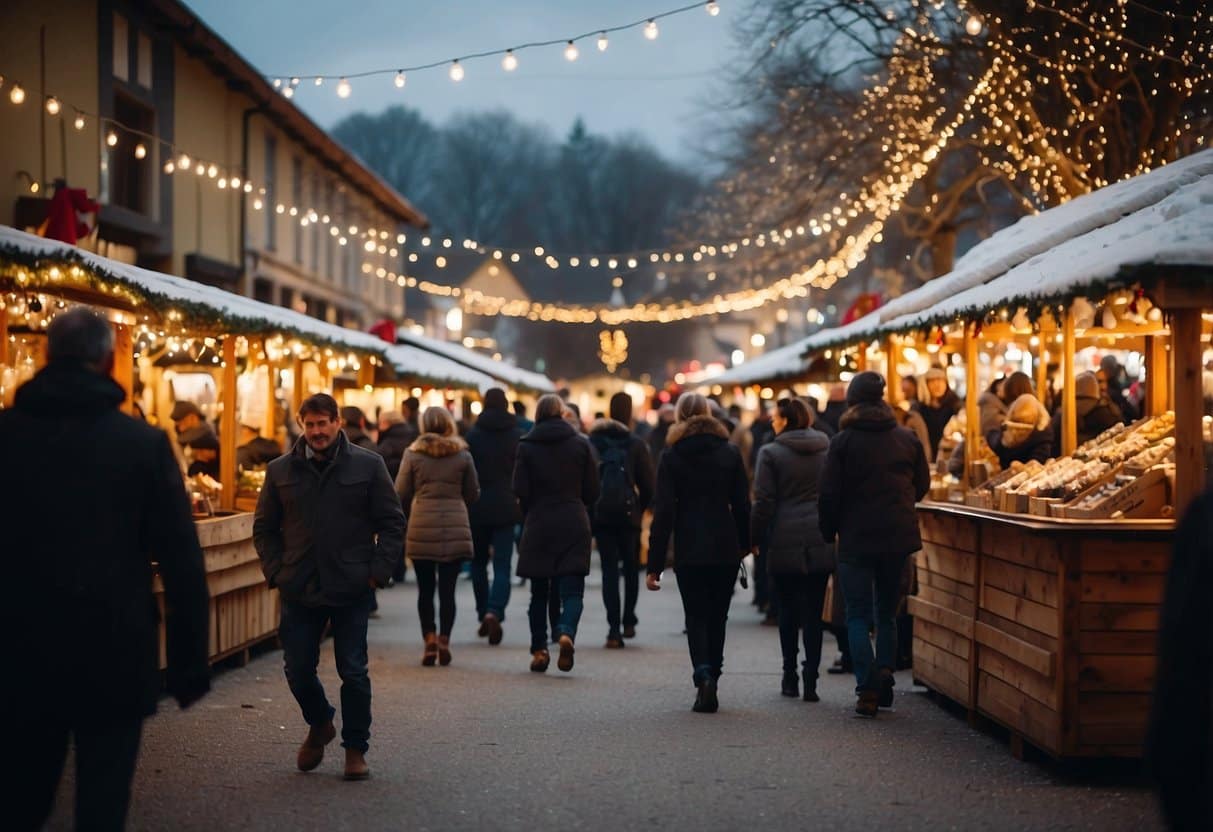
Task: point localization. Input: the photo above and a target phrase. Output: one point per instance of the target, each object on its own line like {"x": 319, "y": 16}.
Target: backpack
{"x": 617, "y": 494}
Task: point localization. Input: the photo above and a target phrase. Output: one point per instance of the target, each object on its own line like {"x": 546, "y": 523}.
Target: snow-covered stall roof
{"x": 504, "y": 372}
{"x": 414, "y": 362}
{"x": 792, "y": 360}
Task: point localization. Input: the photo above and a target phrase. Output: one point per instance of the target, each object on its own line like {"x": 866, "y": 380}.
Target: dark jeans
{"x": 872, "y": 586}
{"x": 616, "y": 548}
{"x": 801, "y": 600}
{"x": 445, "y": 575}
{"x": 300, "y": 632}
{"x": 500, "y": 540}
{"x": 706, "y": 594}
{"x": 571, "y": 589}
{"x": 105, "y": 763}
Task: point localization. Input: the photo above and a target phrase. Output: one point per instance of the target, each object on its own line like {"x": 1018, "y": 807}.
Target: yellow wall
{"x": 71, "y": 76}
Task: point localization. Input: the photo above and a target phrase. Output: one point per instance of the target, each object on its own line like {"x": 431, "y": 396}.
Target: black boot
{"x": 791, "y": 684}
{"x": 705, "y": 699}
{"x": 886, "y": 689}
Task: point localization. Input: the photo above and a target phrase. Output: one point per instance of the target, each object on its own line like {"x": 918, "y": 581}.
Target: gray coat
{"x": 436, "y": 484}
{"x": 784, "y": 515}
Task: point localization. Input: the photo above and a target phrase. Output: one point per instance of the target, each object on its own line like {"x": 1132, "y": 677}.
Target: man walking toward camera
{"x": 328, "y": 529}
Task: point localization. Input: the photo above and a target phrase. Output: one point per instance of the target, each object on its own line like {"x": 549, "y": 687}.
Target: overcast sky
{"x": 663, "y": 89}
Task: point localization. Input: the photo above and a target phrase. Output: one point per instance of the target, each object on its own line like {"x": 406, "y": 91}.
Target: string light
{"x": 140, "y": 151}
{"x": 111, "y": 138}
{"x": 399, "y": 81}
{"x": 343, "y": 88}
{"x": 973, "y": 25}
{"x": 570, "y": 52}
{"x": 603, "y": 43}
{"x": 456, "y": 72}
{"x": 650, "y": 30}
{"x": 79, "y": 122}
{"x": 713, "y": 8}
{"x": 510, "y": 62}
{"x": 16, "y": 94}
{"x": 52, "y": 105}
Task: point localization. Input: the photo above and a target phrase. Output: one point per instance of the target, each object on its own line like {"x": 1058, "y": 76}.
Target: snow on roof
{"x": 792, "y": 360}
{"x": 1036, "y": 234}
{"x": 413, "y": 362}
{"x": 504, "y": 372}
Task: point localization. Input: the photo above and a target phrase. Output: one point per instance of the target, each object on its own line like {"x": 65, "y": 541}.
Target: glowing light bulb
{"x": 456, "y": 72}
{"x": 973, "y": 25}
{"x": 52, "y": 106}
{"x": 570, "y": 51}
{"x": 169, "y": 166}
{"x": 212, "y": 171}
{"x": 140, "y": 151}
{"x": 400, "y": 80}
{"x": 712, "y": 8}
{"x": 509, "y": 63}
{"x": 343, "y": 88}
{"x": 289, "y": 92}
{"x": 603, "y": 43}
{"x": 277, "y": 83}
{"x": 79, "y": 122}
{"x": 111, "y": 138}
{"x": 183, "y": 161}
{"x": 16, "y": 94}
{"x": 650, "y": 30}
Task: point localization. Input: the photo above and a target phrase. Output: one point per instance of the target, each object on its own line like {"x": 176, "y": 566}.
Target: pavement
{"x": 486, "y": 744}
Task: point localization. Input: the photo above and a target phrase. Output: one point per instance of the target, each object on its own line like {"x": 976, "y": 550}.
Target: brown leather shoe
{"x": 492, "y": 625}
{"x": 430, "y": 657}
{"x": 540, "y": 660}
{"x": 444, "y": 650}
{"x": 355, "y": 765}
{"x": 312, "y": 751}
{"x": 565, "y": 661}
{"x": 614, "y": 643}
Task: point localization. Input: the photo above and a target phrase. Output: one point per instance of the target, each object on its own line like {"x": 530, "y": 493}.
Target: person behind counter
{"x": 1025, "y": 433}
{"x": 98, "y": 499}
{"x": 203, "y": 446}
{"x": 941, "y": 404}
{"x": 1095, "y": 411}
{"x": 254, "y": 449}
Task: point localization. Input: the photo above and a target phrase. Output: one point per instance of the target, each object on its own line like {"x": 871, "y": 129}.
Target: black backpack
{"x": 617, "y": 495}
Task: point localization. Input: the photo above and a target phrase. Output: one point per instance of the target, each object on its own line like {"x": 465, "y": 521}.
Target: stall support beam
{"x": 271, "y": 399}
{"x": 227, "y": 427}
{"x": 1042, "y": 369}
{"x": 972, "y": 417}
{"x": 296, "y": 386}
{"x": 1157, "y": 381}
{"x": 892, "y": 353}
{"x": 1189, "y": 407}
{"x": 3, "y": 335}
{"x": 124, "y": 364}
{"x": 1069, "y": 399}
{"x": 861, "y": 360}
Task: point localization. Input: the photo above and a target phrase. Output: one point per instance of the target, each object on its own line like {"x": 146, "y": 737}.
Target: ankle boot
{"x": 444, "y": 650}
{"x": 355, "y": 765}
{"x": 791, "y": 684}
{"x": 430, "y": 657}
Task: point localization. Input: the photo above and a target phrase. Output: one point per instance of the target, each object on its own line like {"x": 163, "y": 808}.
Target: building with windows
{"x": 201, "y": 166}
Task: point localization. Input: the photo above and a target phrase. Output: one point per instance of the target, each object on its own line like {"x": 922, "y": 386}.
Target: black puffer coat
{"x": 393, "y": 442}
{"x": 785, "y": 503}
{"x": 89, "y": 499}
{"x": 1038, "y": 445}
{"x": 493, "y": 441}
{"x": 1094, "y": 417}
{"x": 936, "y": 416}
{"x": 702, "y": 498}
{"x": 323, "y": 536}
{"x": 603, "y": 433}
{"x": 556, "y": 480}
{"x": 875, "y": 472}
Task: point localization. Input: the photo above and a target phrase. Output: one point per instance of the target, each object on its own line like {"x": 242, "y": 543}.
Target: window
{"x": 263, "y": 290}
{"x": 330, "y": 241}
{"x": 143, "y": 62}
{"x": 287, "y": 298}
{"x": 129, "y": 178}
{"x": 297, "y": 199}
{"x": 314, "y": 229}
{"x": 271, "y": 202}
{"x": 122, "y": 53}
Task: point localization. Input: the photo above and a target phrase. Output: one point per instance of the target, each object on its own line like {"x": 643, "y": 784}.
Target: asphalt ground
{"x": 486, "y": 744}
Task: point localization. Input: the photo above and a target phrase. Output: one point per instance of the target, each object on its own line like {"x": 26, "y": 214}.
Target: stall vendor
{"x": 254, "y": 449}
{"x": 204, "y": 451}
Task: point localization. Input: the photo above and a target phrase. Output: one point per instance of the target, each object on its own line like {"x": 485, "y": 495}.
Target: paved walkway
{"x": 485, "y": 744}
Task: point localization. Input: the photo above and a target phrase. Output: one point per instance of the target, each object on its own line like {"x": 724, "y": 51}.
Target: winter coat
{"x": 832, "y": 413}
{"x": 258, "y": 451}
{"x": 360, "y": 438}
{"x": 604, "y": 433}
{"x": 436, "y": 484}
{"x": 323, "y": 535}
{"x": 992, "y": 411}
{"x": 493, "y": 442}
{"x": 90, "y": 499}
{"x": 936, "y": 416}
{"x": 913, "y": 421}
{"x": 875, "y": 472}
{"x": 393, "y": 442}
{"x": 784, "y": 516}
{"x": 1094, "y": 417}
{"x": 556, "y": 480}
{"x": 657, "y": 438}
{"x": 702, "y": 498}
{"x": 1038, "y": 445}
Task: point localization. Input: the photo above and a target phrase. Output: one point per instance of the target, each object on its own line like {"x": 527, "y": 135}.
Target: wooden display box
{"x": 1143, "y": 497}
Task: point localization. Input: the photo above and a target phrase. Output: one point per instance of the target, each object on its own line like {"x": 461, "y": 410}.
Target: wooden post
{"x": 3, "y": 335}
{"x": 227, "y": 427}
{"x": 297, "y": 386}
{"x": 124, "y": 364}
{"x": 892, "y": 355}
{"x": 366, "y": 373}
{"x": 861, "y": 360}
{"x": 1157, "y": 375}
{"x": 1189, "y": 407}
{"x": 1069, "y": 399}
{"x": 1042, "y": 369}
{"x": 270, "y": 424}
{"x": 972, "y": 416}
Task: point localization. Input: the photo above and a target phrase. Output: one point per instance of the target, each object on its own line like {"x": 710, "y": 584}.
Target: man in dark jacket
{"x": 395, "y": 436}
{"x": 1096, "y": 412}
{"x": 355, "y": 427}
{"x": 493, "y": 442}
{"x": 875, "y": 472}
{"x": 90, "y": 500}
{"x": 329, "y": 528}
{"x": 626, "y": 488}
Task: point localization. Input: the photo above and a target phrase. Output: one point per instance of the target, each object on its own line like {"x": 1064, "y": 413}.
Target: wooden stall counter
{"x": 243, "y": 609}
{"x": 1045, "y": 626}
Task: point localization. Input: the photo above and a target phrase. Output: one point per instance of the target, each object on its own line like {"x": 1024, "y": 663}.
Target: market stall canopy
{"x": 411, "y": 362}
{"x": 504, "y": 372}
{"x": 791, "y": 361}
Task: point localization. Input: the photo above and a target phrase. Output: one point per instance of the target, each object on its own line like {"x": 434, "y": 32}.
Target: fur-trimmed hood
{"x": 432, "y": 444}
{"x": 874, "y": 416}
{"x": 609, "y": 428}
{"x": 696, "y": 426}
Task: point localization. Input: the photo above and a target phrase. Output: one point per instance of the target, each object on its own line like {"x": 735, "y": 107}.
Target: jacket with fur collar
{"x": 436, "y": 484}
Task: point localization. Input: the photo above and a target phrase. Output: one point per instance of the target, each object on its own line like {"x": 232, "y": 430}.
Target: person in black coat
{"x": 556, "y": 482}
{"x": 875, "y": 472}
{"x": 1095, "y": 411}
{"x": 493, "y": 441}
{"x": 328, "y": 529}
{"x": 702, "y": 500}
{"x": 617, "y": 527}
{"x": 355, "y": 426}
{"x": 1179, "y": 748}
{"x": 940, "y": 406}
{"x": 92, "y": 505}
{"x": 255, "y": 449}
{"x": 395, "y": 436}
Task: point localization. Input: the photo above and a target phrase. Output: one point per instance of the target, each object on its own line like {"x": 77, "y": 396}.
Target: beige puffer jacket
{"x": 436, "y": 484}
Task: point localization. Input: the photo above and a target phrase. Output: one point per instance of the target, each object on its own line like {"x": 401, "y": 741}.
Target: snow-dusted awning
{"x": 411, "y": 362}
{"x": 791, "y": 361}
{"x": 502, "y": 371}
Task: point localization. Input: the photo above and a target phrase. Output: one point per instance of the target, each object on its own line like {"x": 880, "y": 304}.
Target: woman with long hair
{"x": 436, "y": 483}
{"x": 785, "y": 519}
{"x": 702, "y": 500}
{"x": 556, "y": 482}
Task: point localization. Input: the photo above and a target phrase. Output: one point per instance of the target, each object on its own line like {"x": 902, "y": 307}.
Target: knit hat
{"x": 494, "y": 399}
{"x": 1086, "y": 386}
{"x": 936, "y": 373}
{"x": 865, "y": 388}
{"x": 181, "y": 409}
